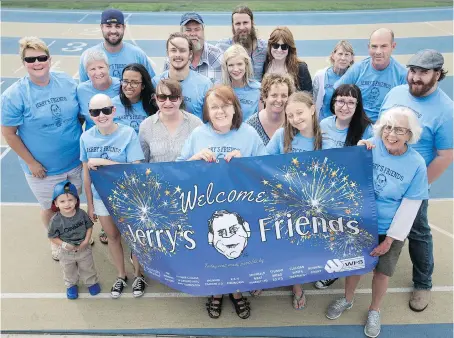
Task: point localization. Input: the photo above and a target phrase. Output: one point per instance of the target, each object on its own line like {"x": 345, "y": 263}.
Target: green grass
{"x": 227, "y": 6}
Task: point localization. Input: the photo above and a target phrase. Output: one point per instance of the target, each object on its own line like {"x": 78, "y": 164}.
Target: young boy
{"x": 71, "y": 229}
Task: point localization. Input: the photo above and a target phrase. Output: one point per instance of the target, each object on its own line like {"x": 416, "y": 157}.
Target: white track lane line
{"x": 5, "y": 153}
{"x": 444, "y": 232}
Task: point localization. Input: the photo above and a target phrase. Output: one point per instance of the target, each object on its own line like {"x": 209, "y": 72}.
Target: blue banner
{"x": 254, "y": 223}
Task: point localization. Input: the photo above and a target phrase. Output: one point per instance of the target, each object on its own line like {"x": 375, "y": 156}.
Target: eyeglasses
{"x": 284, "y": 46}
{"x": 397, "y": 130}
{"x": 98, "y": 111}
{"x": 132, "y": 84}
{"x": 341, "y": 103}
{"x": 32, "y": 59}
{"x": 164, "y": 97}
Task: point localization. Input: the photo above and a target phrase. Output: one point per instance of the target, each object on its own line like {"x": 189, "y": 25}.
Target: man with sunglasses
{"x": 119, "y": 53}
{"x": 244, "y": 33}
{"x": 434, "y": 110}
{"x": 180, "y": 51}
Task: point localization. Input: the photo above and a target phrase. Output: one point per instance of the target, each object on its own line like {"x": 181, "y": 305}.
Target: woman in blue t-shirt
{"x": 237, "y": 73}
{"x": 400, "y": 184}
{"x": 223, "y": 137}
{"x": 136, "y": 99}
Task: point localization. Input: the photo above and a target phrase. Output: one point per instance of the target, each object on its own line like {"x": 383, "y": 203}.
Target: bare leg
{"x": 379, "y": 287}
{"x": 351, "y": 282}
{"x": 135, "y": 263}
{"x": 46, "y": 215}
{"x": 115, "y": 246}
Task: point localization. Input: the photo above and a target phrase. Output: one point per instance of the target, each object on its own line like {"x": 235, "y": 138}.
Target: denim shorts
{"x": 100, "y": 208}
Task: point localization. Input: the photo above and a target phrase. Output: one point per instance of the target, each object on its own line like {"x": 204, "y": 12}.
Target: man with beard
{"x": 180, "y": 51}
{"x": 434, "y": 110}
{"x": 377, "y": 74}
{"x": 244, "y": 33}
{"x": 119, "y": 53}
{"x": 207, "y": 58}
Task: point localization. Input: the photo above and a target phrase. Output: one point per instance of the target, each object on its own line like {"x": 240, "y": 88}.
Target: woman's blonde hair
{"x": 290, "y": 131}
{"x": 231, "y": 52}
{"x": 271, "y": 79}
{"x": 346, "y": 46}
{"x": 32, "y": 42}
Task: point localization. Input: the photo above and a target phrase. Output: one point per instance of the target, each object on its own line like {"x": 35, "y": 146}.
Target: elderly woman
{"x": 162, "y": 135}
{"x": 282, "y": 58}
{"x": 276, "y": 89}
{"x": 237, "y": 73}
{"x": 40, "y": 123}
{"x": 100, "y": 82}
{"x": 223, "y": 137}
{"x": 341, "y": 59}
{"x": 400, "y": 183}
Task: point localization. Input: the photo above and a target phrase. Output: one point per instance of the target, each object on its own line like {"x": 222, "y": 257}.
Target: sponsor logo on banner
{"x": 340, "y": 265}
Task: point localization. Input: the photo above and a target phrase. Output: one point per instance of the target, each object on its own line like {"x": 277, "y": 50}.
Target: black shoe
{"x": 324, "y": 283}
{"x": 138, "y": 286}
{"x": 117, "y": 288}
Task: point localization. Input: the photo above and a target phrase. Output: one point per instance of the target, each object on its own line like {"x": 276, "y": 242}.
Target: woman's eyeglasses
{"x": 98, "y": 111}
{"x": 132, "y": 84}
{"x": 284, "y": 46}
{"x": 32, "y": 59}
{"x": 163, "y": 98}
{"x": 397, "y": 130}
{"x": 341, "y": 103}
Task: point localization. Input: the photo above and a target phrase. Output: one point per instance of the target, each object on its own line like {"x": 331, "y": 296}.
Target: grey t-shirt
{"x": 71, "y": 230}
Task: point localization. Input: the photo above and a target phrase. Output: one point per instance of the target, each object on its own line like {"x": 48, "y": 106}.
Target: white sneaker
{"x": 55, "y": 249}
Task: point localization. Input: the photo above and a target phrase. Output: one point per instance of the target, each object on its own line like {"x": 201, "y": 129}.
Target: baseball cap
{"x": 191, "y": 16}
{"x": 112, "y": 16}
{"x": 65, "y": 187}
{"x": 427, "y": 59}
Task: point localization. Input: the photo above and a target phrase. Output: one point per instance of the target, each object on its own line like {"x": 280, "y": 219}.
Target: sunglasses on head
{"x": 163, "y": 98}
{"x": 32, "y": 59}
{"x": 98, "y": 111}
{"x": 284, "y": 46}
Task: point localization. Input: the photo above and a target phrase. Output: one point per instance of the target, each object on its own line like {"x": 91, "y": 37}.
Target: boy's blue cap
{"x": 65, "y": 187}
{"x": 112, "y": 16}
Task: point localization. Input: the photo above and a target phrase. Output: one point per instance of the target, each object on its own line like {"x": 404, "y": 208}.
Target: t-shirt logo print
{"x": 56, "y": 114}
{"x": 380, "y": 183}
{"x": 373, "y": 96}
{"x": 105, "y": 156}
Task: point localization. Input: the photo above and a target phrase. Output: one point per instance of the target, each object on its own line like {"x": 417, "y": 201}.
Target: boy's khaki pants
{"x": 78, "y": 266}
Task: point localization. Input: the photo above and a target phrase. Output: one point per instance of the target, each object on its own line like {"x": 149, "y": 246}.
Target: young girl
{"x": 136, "y": 100}
{"x": 71, "y": 229}
{"x": 105, "y": 144}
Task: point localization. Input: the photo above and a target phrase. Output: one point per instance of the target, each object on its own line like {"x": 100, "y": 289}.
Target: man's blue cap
{"x": 191, "y": 16}
{"x": 65, "y": 187}
{"x": 112, "y": 16}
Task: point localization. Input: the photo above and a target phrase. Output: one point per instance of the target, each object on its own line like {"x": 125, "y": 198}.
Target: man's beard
{"x": 246, "y": 41}
{"x": 116, "y": 43}
{"x": 198, "y": 45}
{"x": 421, "y": 91}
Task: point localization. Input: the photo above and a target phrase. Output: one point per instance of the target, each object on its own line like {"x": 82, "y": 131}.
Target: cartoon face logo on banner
{"x": 380, "y": 183}
{"x": 228, "y": 233}
{"x": 56, "y": 114}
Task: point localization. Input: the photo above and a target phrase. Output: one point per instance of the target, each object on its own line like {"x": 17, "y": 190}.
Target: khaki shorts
{"x": 387, "y": 262}
{"x": 43, "y": 188}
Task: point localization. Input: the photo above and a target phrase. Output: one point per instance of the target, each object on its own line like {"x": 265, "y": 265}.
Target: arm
{"x": 403, "y": 219}
{"x": 82, "y": 72}
{"x": 86, "y": 241}
{"x": 439, "y": 164}
{"x": 143, "y": 142}
{"x": 315, "y": 87}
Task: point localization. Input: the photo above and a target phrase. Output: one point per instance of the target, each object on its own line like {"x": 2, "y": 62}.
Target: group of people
{"x": 243, "y": 97}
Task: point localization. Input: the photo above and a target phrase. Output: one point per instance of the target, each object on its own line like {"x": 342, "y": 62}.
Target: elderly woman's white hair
{"x": 95, "y": 55}
{"x": 231, "y": 52}
{"x": 389, "y": 118}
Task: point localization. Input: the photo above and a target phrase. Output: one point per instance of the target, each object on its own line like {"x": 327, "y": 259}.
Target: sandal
{"x": 242, "y": 308}
{"x": 297, "y": 301}
{"x": 103, "y": 237}
{"x": 214, "y": 307}
{"x": 255, "y": 293}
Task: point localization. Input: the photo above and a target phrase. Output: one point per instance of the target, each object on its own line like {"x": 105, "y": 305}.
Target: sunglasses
{"x": 163, "y": 98}
{"x": 97, "y": 112}
{"x": 32, "y": 59}
{"x": 284, "y": 46}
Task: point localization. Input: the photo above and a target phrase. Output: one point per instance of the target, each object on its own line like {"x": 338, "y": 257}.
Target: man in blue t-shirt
{"x": 118, "y": 52}
{"x": 193, "y": 85}
{"x": 377, "y": 74}
{"x": 434, "y": 110}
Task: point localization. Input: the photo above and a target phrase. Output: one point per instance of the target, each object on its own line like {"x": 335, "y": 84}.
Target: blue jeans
{"x": 420, "y": 246}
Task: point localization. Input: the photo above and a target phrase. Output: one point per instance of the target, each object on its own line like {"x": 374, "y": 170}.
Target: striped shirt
{"x": 158, "y": 144}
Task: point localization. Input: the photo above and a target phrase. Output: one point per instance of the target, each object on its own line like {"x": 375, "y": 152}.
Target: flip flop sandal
{"x": 242, "y": 308}
{"x": 297, "y": 300}
{"x": 255, "y": 293}
{"x": 103, "y": 237}
{"x": 214, "y": 309}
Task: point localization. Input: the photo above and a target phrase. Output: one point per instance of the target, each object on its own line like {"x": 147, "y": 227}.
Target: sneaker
{"x": 138, "y": 286}
{"x": 117, "y": 288}
{"x": 336, "y": 308}
{"x": 372, "y": 328}
{"x": 324, "y": 283}
{"x": 94, "y": 289}
{"x": 72, "y": 292}
{"x": 55, "y": 249}
{"x": 419, "y": 300}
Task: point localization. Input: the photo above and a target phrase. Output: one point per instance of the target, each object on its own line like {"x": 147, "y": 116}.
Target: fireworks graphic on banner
{"x": 144, "y": 201}
{"x": 316, "y": 190}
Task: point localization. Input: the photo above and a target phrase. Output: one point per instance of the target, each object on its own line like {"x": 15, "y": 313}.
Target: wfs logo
{"x": 339, "y": 265}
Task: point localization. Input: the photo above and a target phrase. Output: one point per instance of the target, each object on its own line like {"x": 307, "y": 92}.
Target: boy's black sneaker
{"x": 138, "y": 286}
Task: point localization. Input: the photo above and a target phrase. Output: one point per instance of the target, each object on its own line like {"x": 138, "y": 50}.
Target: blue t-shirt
{"x": 335, "y": 138}
{"x": 435, "y": 115}
{"x": 249, "y": 97}
{"x": 117, "y": 61}
{"x": 47, "y": 121}
{"x": 330, "y": 79}
{"x": 374, "y": 84}
{"x": 299, "y": 143}
{"x": 85, "y": 91}
{"x": 121, "y": 146}
{"x": 395, "y": 178}
{"x": 245, "y": 139}
{"x": 194, "y": 88}
{"x": 132, "y": 118}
